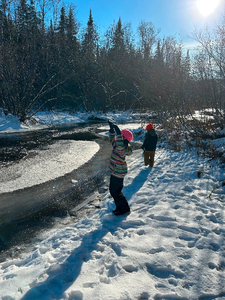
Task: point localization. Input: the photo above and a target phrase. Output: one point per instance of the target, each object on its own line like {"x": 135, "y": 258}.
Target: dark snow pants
{"x": 115, "y": 189}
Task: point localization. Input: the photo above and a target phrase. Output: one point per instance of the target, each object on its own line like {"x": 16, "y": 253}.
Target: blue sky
{"x": 173, "y": 17}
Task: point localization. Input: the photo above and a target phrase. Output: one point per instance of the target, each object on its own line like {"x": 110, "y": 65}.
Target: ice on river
{"x": 46, "y": 164}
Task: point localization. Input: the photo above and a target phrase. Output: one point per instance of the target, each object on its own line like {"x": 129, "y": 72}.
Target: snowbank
{"x": 171, "y": 246}
{"x": 43, "y": 119}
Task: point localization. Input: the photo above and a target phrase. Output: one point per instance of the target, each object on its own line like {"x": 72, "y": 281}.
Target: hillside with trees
{"x": 47, "y": 61}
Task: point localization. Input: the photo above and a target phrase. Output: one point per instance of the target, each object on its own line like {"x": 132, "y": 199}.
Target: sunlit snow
{"x": 171, "y": 246}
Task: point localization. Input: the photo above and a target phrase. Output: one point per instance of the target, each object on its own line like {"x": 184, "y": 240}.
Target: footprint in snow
{"x": 194, "y": 197}
{"x": 198, "y": 218}
{"x": 89, "y": 285}
{"x": 141, "y": 232}
{"x": 161, "y": 218}
{"x": 219, "y": 231}
{"x": 189, "y": 229}
{"x": 205, "y": 211}
{"x": 144, "y": 296}
{"x": 176, "y": 206}
{"x": 156, "y": 250}
{"x": 9, "y": 276}
{"x": 112, "y": 270}
{"x": 163, "y": 272}
{"x": 214, "y": 246}
{"x": 178, "y": 245}
{"x": 130, "y": 268}
{"x": 187, "y": 237}
{"x": 170, "y": 175}
{"x": 186, "y": 255}
{"x": 212, "y": 218}
{"x": 203, "y": 244}
{"x": 191, "y": 244}
{"x": 187, "y": 188}
{"x": 212, "y": 266}
{"x": 169, "y": 297}
{"x": 219, "y": 267}
{"x": 104, "y": 279}
{"x": 75, "y": 295}
{"x": 131, "y": 223}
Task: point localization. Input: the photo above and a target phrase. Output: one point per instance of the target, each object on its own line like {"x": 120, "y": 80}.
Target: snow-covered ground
{"x": 42, "y": 119}
{"x": 171, "y": 246}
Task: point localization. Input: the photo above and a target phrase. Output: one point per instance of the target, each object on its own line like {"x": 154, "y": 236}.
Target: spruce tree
{"x": 89, "y": 74}
{"x": 90, "y": 41}
{"x": 118, "y": 44}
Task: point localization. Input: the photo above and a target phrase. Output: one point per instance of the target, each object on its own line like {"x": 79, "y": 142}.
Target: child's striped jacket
{"x": 118, "y": 165}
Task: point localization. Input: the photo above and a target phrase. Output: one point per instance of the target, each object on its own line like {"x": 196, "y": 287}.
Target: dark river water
{"x": 54, "y": 207}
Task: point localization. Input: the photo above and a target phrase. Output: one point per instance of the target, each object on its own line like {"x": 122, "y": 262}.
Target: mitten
{"x": 111, "y": 125}
{"x": 118, "y": 132}
{"x": 125, "y": 141}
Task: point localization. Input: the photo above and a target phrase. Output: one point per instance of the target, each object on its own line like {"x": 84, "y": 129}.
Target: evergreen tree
{"x": 72, "y": 26}
{"x": 118, "y": 45}
{"x": 90, "y": 41}
{"x": 73, "y": 45}
{"x": 89, "y": 74}
{"x": 71, "y": 87}
{"x": 61, "y": 34}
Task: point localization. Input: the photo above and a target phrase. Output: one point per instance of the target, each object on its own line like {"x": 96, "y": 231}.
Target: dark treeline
{"x": 53, "y": 64}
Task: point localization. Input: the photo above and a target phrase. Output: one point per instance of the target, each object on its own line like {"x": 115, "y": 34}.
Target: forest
{"x": 47, "y": 61}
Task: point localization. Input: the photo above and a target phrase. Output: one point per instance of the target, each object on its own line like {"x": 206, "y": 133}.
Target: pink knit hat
{"x": 127, "y": 134}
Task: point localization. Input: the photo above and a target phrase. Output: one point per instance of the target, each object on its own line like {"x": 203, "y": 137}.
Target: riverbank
{"x": 41, "y": 120}
{"x": 27, "y": 212}
{"x": 53, "y": 165}
{"x": 51, "y": 178}
{"x": 170, "y": 246}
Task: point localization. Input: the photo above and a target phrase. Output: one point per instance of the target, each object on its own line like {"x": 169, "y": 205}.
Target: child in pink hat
{"x": 118, "y": 166}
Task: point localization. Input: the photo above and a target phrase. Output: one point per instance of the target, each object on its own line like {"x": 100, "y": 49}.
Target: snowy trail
{"x": 171, "y": 246}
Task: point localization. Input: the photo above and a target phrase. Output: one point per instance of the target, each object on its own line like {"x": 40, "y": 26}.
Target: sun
{"x": 207, "y": 7}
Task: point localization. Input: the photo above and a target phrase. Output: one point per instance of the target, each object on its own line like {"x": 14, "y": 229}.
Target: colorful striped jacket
{"x": 118, "y": 165}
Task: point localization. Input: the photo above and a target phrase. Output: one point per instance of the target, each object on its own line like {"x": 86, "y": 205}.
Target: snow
{"x": 219, "y": 144}
{"x": 171, "y": 246}
{"x": 41, "y": 120}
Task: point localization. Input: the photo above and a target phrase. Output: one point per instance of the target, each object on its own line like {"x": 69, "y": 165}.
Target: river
{"x": 31, "y": 210}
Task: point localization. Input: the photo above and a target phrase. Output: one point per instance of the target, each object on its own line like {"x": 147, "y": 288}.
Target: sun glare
{"x": 207, "y": 7}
